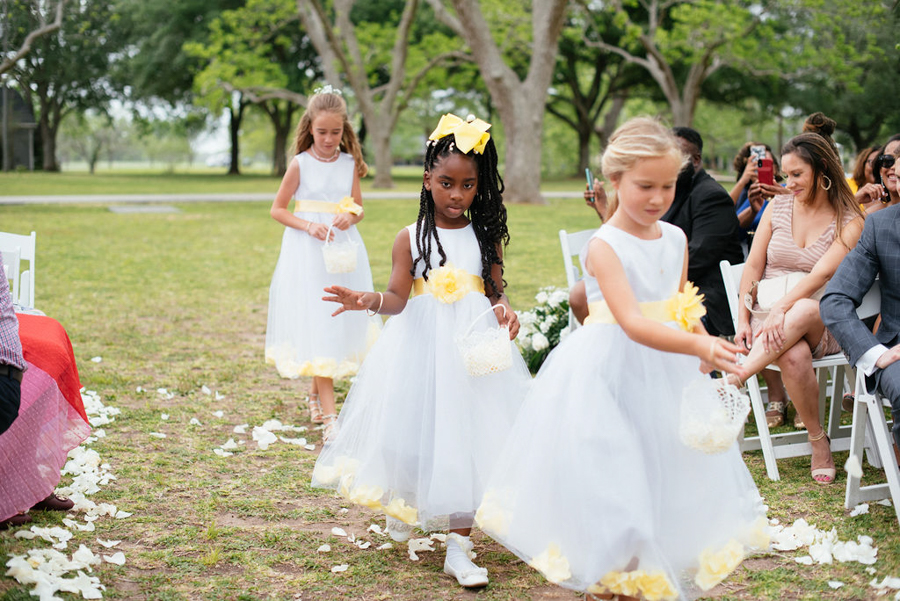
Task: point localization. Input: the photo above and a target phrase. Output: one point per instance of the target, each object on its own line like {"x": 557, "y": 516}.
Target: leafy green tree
{"x": 48, "y": 18}
{"x": 257, "y": 52}
{"x": 378, "y": 60}
{"x": 65, "y": 71}
{"x": 89, "y": 136}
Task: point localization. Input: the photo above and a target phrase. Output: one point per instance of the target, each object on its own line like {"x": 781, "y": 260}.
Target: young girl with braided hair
{"x": 301, "y": 338}
{"x": 417, "y": 436}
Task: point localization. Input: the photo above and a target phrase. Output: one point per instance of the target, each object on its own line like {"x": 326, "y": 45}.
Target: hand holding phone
{"x": 766, "y": 172}
{"x": 590, "y": 181}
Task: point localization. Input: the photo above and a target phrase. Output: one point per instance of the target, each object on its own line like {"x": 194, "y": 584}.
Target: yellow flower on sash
{"x": 398, "y": 509}
{"x": 469, "y": 134}
{"x": 348, "y": 205}
{"x": 686, "y": 307}
{"x": 715, "y": 566}
{"x": 448, "y": 284}
{"x": 552, "y": 564}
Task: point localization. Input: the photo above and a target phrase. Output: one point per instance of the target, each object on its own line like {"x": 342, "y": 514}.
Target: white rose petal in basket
{"x": 340, "y": 257}
{"x": 712, "y": 415}
{"x": 487, "y": 351}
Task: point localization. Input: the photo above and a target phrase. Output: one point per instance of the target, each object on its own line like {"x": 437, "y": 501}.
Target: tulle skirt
{"x": 418, "y": 436}
{"x": 302, "y": 338}
{"x": 595, "y": 486}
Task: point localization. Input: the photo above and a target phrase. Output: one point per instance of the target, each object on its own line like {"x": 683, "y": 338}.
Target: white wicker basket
{"x": 340, "y": 257}
{"x": 486, "y": 351}
{"x": 712, "y": 415}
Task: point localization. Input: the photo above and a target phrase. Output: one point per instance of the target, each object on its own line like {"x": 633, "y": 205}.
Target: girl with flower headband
{"x": 301, "y": 337}
{"x": 594, "y": 488}
{"x": 418, "y": 434}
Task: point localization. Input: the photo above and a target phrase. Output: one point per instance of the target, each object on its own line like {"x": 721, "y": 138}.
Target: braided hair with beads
{"x": 487, "y": 213}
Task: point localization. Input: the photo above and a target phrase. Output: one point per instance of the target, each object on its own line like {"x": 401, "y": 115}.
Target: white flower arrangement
{"x": 544, "y": 326}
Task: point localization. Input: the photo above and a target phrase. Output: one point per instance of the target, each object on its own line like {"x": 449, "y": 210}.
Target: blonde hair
{"x": 636, "y": 139}
{"x": 329, "y": 102}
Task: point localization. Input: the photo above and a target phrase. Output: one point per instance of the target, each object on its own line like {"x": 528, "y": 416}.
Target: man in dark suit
{"x": 877, "y": 254}
{"x": 705, "y": 212}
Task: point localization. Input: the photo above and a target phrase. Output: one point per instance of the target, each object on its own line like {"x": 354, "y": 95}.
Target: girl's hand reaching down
{"x": 350, "y": 300}
{"x": 720, "y": 355}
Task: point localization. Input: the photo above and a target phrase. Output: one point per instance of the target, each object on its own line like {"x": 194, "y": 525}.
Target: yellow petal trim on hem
{"x": 492, "y": 516}
{"x": 716, "y": 565}
{"x": 367, "y": 495}
{"x": 653, "y": 586}
{"x": 552, "y": 564}
{"x": 470, "y": 134}
{"x": 398, "y": 509}
{"x": 686, "y": 307}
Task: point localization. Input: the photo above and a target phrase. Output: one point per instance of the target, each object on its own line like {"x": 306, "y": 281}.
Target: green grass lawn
{"x": 178, "y": 301}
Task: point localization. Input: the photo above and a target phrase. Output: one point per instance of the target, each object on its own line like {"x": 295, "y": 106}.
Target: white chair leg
{"x": 858, "y": 433}
{"x": 765, "y": 438}
{"x": 885, "y": 445}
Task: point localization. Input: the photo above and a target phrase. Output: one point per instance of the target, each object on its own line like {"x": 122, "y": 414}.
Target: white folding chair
{"x": 571, "y": 245}
{"x": 870, "y": 429}
{"x": 11, "y": 268}
{"x": 830, "y": 371}
{"x": 23, "y": 287}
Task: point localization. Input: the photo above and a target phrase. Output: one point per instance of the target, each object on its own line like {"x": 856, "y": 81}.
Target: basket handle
{"x": 328, "y": 234}
{"x": 482, "y": 314}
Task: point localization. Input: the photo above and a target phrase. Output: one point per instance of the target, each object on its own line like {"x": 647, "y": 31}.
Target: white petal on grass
{"x": 222, "y": 453}
{"x": 97, "y": 359}
{"x": 195, "y": 422}
{"x": 310, "y": 447}
{"x": 885, "y": 502}
{"x": 338, "y": 531}
{"x": 870, "y": 571}
{"x": 860, "y": 509}
{"x": 157, "y": 435}
{"x": 835, "y": 584}
{"x": 123, "y": 514}
{"x": 108, "y": 543}
{"x": 139, "y": 389}
{"x": 164, "y": 416}
{"x": 341, "y": 568}
{"x": 116, "y": 558}
{"x": 853, "y": 466}
{"x": 219, "y": 397}
{"x": 230, "y": 445}
{"x": 363, "y": 545}
{"x": 376, "y": 529}
{"x": 205, "y": 390}
{"x": 804, "y": 560}
{"x": 343, "y": 510}
{"x": 439, "y": 536}
{"x": 219, "y": 413}
{"x": 242, "y": 429}
{"x": 385, "y": 546}
{"x": 416, "y": 545}
{"x": 300, "y": 442}
{"x": 263, "y": 437}
{"x": 324, "y": 548}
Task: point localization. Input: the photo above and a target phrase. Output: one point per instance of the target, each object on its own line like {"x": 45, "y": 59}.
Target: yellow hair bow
{"x": 348, "y": 205}
{"x": 469, "y": 134}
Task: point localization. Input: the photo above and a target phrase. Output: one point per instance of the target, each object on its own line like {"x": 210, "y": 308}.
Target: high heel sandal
{"x": 330, "y": 429}
{"x": 315, "y": 408}
{"x": 822, "y": 475}
{"x": 776, "y": 413}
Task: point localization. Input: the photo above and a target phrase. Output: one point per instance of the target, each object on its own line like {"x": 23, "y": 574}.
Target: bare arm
{"x": 342, "y": 221}
{"x": 508, "y": 317}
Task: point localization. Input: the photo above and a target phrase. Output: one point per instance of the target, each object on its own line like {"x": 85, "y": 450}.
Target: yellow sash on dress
{"x": 347, "y": 205}
{"x": 598, "y": 312}
{"x": 469, "y": 283}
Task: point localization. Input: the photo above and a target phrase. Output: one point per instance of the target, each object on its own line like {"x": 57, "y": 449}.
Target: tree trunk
{"x": 234, "y": 127}
{"x": 584, "y": 146}
{"x": 381, "y": 140}
{"x": 48, "y": 141}
{"x": 523, "y": 152}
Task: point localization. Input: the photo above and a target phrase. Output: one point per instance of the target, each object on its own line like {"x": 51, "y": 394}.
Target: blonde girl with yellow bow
{"x": 594, "y": 488}
{"x": 302, "y": 340}
{"x": 419, "y": 432}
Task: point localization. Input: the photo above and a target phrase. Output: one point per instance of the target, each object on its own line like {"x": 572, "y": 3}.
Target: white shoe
{"x": 459, "y": 565}
{"x": 398, "y": 531}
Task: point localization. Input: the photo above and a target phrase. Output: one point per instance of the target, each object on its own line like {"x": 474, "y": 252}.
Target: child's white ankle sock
{"x": 458, "y": 562}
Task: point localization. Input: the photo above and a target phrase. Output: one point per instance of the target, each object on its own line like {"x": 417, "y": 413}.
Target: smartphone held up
{"x": 765, "y": 172}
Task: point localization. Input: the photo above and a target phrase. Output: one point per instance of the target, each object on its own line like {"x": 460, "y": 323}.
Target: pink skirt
{"x": 34, "y": 449}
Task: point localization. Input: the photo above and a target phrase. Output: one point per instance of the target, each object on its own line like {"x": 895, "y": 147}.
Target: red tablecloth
{"x": 46, "y": 344}
{"x": 51, "y": 420}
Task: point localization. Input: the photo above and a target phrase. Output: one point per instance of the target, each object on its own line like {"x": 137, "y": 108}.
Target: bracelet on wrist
{"x": 369, "y": 312}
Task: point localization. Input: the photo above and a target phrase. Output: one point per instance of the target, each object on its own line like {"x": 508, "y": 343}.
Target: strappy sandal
{"x": 330, "y": 429}
{"x": 822, "y": 475}
{"x": 315, "y": 408}
{"x": 798, "y": 422}
{"x": 776, "y": 413}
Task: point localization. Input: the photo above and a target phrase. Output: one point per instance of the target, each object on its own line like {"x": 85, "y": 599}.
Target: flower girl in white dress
{"x": 418, "y": 434}
{"x": 594, "y": 488}
{"x": 301, "y": 337}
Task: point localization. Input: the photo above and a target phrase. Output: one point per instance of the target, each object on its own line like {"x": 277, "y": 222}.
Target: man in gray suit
{"x": 877, "y": 254}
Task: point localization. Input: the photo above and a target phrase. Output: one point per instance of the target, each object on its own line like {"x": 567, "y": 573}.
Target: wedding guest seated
{"x": 885, "y": 177}
{"x": 30, "y": 416}
{"x": 809, "y": 230}
{"x": 862, "y": 182}
{"x": 705, "y": 212}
